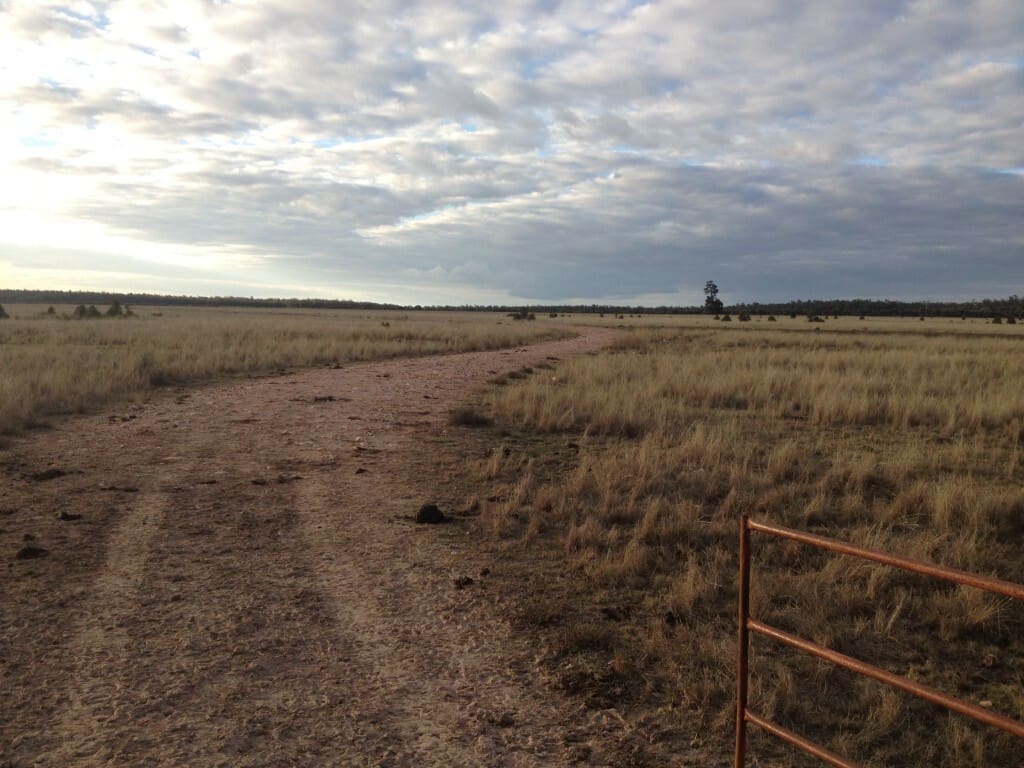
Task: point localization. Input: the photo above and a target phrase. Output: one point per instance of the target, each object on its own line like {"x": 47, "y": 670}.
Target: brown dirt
{"x": 238, "y": 593}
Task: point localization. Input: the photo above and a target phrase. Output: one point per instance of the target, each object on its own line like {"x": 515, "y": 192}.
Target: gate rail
{"x": 747, "y": 625}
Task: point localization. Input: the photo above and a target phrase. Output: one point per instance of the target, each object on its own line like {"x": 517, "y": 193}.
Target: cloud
{"x": 533, "y": 151}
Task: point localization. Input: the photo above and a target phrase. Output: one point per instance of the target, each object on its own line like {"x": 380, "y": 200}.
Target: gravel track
{"x": 246, "y": 587}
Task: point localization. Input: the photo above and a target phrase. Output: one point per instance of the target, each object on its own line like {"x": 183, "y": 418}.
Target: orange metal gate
{"x": 745, "y": 716}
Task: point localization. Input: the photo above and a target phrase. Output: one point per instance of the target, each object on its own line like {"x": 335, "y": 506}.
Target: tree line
{"x": 1012, "y": 306}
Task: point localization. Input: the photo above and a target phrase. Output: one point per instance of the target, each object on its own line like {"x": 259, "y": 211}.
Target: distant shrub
{"x": 861, "y": 317}
{"x": 51, "y": 311}
{"x": 771, "y": 318}
{"x": 727, "y": 318}
{"x": 3, "y": 313}
{"x": 815, "y": 319}
{"x": 467, "y": 416}
{"x": 792, "y": 315}
{"x": 744, "y": 317}
{"x": 553, "y": 314}
{"x": 522, "y": 314}
{"x": 115, "y": 309}
{"x": 1011, "y": 320}
{"x": 997, "y": 320}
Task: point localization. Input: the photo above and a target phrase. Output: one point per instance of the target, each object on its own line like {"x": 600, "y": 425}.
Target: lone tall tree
{"x": 712, "y": 304}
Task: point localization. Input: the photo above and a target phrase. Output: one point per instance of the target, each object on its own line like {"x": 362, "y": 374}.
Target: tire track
{"x": 100, "y": 645}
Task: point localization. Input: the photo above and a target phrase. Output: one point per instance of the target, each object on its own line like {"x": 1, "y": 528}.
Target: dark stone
{"x": 463, "y": 581}
{"x": 362, "y": 471}
{"x": 47, "y": 474}
{"x": 30, "y": 552}
{"x": 66, "y": 516}
{"x": 429, "y": 514}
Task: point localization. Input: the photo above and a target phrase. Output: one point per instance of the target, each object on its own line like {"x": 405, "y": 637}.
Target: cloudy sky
{"x": 537, "y": 151}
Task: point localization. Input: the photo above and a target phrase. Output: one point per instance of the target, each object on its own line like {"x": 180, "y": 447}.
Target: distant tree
{"x": 82, "y": 311}
{"x": 115, "y": 309}
{"x": 712, "y": 304}
{"x": 51, "y": 311}
{"x": 3, "y": 313}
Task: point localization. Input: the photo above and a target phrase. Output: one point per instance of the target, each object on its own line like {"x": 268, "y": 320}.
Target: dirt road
{"x": 245, "y": 586}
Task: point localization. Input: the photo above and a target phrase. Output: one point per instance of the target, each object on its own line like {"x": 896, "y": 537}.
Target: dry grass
{"x": 904, "y": 442}
{"x": 52, "y": 365}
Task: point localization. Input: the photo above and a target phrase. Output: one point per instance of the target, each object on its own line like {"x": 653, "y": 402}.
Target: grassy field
{"x": 50, "y": 364}
{"x": 621, "y": 478}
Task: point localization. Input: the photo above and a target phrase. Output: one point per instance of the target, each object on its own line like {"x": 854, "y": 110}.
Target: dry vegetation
{"x": 50, "y": 364}
{"x": 629, "y": 471}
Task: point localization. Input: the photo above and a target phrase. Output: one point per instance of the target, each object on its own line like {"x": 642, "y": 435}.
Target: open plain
{"x": 228, "y": 571}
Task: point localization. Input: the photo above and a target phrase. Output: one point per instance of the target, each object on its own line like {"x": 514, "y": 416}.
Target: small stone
{"x": 47, "y": 474}
{"x": 30, "y": 552}
{"x": 463, "y": 581}
{"x": 65, "y": 516}
{"x": 429, "y": 514}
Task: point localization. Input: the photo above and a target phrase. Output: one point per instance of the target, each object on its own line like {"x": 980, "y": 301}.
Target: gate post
{"x": 743, "y": 645}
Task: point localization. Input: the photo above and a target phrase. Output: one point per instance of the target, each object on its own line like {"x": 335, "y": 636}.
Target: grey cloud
{"x": 48, "y": 20}
{"x": 571, "y": 150}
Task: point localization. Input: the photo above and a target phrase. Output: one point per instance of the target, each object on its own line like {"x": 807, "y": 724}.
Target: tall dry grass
{"x": 54, "y": 365}
{"x": 906, "y": 443}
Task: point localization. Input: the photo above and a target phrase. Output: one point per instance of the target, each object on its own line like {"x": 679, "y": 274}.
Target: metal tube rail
{"x": 896, "y": 681}
{"x": 748, "y": 625}
{"x": 1007, "y": 588}
{"x": 799, "y": 741}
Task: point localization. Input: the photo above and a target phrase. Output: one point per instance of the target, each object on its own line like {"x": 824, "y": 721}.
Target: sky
{"x": 514, "y": 152}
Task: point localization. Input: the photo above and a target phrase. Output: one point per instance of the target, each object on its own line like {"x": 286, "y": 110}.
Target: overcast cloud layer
{"x": 543, "y": 151}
